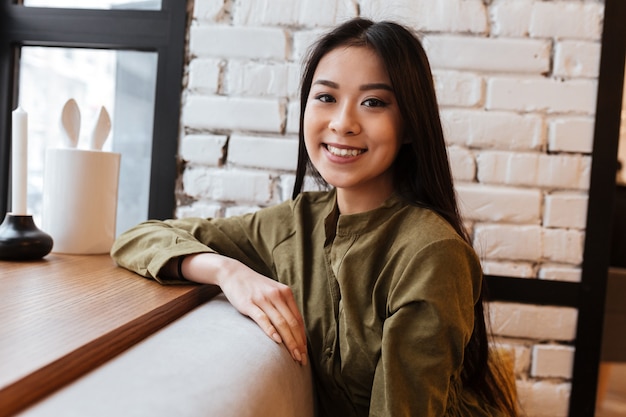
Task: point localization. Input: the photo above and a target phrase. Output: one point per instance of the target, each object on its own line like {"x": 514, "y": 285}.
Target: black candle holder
{"x": 21, "y": 240}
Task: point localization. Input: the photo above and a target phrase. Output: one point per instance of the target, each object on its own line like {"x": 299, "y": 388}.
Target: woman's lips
{"x": 344, "y": 152}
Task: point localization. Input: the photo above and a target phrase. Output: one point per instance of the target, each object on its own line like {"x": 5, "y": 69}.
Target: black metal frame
{"x": 600, "y": 210}
{"x": 162, "y": 31}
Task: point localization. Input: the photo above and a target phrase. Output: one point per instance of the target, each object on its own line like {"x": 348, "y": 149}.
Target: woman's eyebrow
{"x": 327, "y": 83}
{"x": 364, "y": 87}
{"x": 376, "y": 86}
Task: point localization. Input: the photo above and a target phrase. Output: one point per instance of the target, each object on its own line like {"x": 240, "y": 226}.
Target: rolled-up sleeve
{"x": 149, "y": 246}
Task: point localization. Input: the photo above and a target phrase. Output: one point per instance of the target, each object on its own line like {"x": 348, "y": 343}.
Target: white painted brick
{"x": 458, "y": 89}
{"x": 213, "y": 112}
{"x": 203, "y": 149}
{"x": 577, "y": 59}
{"x": 238, "y": 42}
{"x": 293, "y": 117}
{"x": 565, "y": 210}
{"x": 289, "y": 12}
{"x": 293, "y": 80}
{"x": 253, "y": 78}
{"x": 562, "y": 245}
{"x": 567, "y": 19}
{"x": 510, "y": 18}
{"x": 560, "y": 273}
{"x": 544, "y": 398}
{"x": 530, "y": 56}
{"x": 552, "y": 361}
{"x": 265, "y": 12}
{"x": 209, "y": 10}
{"x": 200, "y": 209}
{"x": 563, "y": 171}
{"x": 566, "y": 171}
{"x": 229, "y": 185}
{"x": 500, "y": 204}
{"x": 508, "y": 242}
{"x": 493, "y": 130}
{"x": 528, "y": 169}
{"x": 240, "y": 210}
{"x": 462, "y": 163}
{"x": 509, "y": 269}
{"x": 536, "y": 322}
{"x": 541, "y": 95}
{"x": 286, "y": 183}
{"x": 204, "y": 75}
{"x": 520, "y": 353}
{"x": 263, "y": 152}
{"x": 428, "y": 15}
{"x": 571, "y": 134}
{"x": 302, "y": 41}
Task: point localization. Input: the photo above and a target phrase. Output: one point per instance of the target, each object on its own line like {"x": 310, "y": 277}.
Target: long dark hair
{"x": 421, "y": 170}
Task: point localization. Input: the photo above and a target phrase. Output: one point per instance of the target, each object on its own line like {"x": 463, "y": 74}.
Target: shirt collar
{"x": 336, "y": 224}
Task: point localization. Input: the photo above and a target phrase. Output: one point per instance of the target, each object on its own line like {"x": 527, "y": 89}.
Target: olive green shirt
{"x": 387, "y": 295}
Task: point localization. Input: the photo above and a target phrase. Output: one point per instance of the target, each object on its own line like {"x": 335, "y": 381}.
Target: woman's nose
{"x": 344, "y": 121}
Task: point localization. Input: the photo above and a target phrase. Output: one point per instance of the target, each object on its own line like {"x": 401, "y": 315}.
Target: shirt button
{"x": 328, "y": 352}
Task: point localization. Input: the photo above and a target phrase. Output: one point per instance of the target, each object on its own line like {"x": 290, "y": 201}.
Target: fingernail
{"x": 277, "y": 338}
{"x": 297, "y": 355}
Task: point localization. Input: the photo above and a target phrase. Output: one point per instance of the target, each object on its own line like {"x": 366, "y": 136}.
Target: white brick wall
{"x": 533, "y": 322}
{"x": 552, "y": 361}
{"x": 516, "y": 83}
{"x": 544, "y": 398}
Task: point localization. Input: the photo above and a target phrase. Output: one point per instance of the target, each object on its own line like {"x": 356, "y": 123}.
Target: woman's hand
{"x": 269, "y": 303}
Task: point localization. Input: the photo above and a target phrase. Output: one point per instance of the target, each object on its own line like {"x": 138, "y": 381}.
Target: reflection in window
{"x": 123, "y": 82}
{"x": 97, "y": 4}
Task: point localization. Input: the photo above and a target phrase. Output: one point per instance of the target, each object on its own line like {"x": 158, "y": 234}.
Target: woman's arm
{"x": 153, "y": 249}
{"x": 431, "y": 316}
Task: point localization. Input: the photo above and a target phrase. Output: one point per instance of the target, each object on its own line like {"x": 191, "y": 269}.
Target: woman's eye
{"x": 374, "y": 102}
{"x": 325, "y": 98}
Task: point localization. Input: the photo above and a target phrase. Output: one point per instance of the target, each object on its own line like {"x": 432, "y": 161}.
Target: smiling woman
{"x": 353, "y": 128}
{"x": 373, "y": 281}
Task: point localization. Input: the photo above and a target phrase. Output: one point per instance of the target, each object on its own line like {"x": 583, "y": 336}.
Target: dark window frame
{"x": 162, "y": 31}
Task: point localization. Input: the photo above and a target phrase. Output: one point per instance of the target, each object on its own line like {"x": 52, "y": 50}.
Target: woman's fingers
{"x": 277, "y": 314}
{"x": 264, "y": 322}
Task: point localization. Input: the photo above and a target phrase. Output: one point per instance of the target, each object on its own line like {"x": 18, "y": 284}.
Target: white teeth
{"x": 344, "y": 152}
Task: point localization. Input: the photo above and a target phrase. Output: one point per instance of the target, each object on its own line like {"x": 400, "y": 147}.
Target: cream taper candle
{"x": 19, "y": 162}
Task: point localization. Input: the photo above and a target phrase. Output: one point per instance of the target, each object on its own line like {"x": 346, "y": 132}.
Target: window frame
{"x": 162, "y": 31}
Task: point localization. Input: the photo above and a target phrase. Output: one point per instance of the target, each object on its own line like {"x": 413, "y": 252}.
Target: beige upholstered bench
{"x": 211, "y": 362}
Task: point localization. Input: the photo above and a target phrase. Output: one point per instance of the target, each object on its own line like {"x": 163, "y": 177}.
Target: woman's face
{"x": 352, "y": 127}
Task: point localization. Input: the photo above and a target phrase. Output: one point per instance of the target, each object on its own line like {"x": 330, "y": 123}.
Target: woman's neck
{"x": 353, "y": 202}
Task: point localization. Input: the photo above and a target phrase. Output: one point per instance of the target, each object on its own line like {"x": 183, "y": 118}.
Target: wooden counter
{"x": 63, "y": 316}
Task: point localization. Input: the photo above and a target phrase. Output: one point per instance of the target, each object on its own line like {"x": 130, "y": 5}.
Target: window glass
{"x": 97, "y": 4}
{"x": 121, "y": 81}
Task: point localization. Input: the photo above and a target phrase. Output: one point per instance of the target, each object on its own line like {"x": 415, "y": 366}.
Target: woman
{"x": 374, "y": 280}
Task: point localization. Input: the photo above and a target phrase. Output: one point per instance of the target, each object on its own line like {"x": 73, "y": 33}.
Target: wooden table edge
{"x": 34, "y": 387}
